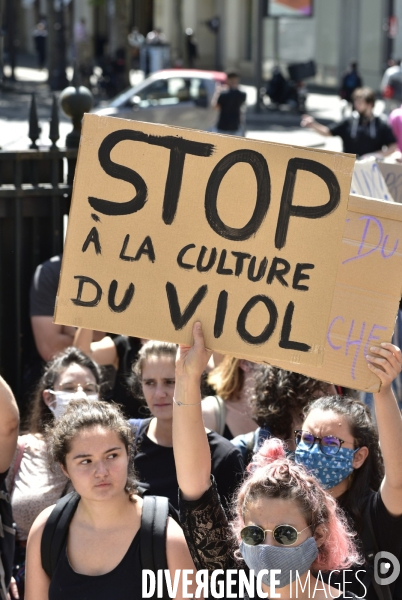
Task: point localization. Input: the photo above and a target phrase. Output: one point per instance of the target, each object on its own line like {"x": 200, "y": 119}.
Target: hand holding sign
{"x": 192, "y": 360}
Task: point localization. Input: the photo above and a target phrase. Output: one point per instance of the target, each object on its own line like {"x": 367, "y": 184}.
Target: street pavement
{"x": 268, "y": 125}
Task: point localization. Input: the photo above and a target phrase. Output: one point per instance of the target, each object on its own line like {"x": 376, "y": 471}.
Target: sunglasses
{"x": 329, "y": 444}
{"x": 287, "y": 535}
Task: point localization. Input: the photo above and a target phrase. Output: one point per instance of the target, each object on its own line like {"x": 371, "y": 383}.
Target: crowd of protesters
{"x": 260, "y": 468}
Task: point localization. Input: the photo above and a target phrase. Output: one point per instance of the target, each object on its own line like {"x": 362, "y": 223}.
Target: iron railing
{"x": 35, "y": 193}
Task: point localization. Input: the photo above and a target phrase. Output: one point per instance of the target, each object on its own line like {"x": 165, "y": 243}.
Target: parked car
{"x": 180, "y": 97}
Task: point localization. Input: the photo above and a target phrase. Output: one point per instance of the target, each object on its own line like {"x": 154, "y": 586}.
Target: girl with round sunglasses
{"x": 284, "y": 520}
{"x": 360, "y": 467}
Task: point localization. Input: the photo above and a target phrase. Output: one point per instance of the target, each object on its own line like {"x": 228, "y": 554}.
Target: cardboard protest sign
{"x": 392, "y": 173}
{"x": 367, "y": 294}
{"x": 171, "y": 225}
{"x": 368, "y": 180}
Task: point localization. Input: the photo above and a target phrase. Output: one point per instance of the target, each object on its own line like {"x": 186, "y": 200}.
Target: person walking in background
{"x": 362, "y": 133}
{"x": 83, "y": 51}
{"x": 136, "y": 41}
{"x": 229, "y": 103}
{"x": 40, "y": 39}
{"x": 191, "y": 47}
{"x": 351, "y": 80}
{"x": 391, "y": 86}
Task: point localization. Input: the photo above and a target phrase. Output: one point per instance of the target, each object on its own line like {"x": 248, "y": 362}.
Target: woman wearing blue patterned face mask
{"x": 339, "y": 444}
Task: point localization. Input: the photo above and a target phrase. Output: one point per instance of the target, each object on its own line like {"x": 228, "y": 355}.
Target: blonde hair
{"x": 227, "y": 378}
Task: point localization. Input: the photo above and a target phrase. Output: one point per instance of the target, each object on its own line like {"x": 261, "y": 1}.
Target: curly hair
{"x": 85, "y": 414}
{"x": 278, "y": 394}
{"x": 40, "y": 414}
{"x": 370, "y": 475}
{"x": 272, "y": 475}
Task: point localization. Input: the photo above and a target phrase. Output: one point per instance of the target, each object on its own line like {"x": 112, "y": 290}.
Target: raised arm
{"x": 190, "y": 444}
{"x": 103, "y": 351}
{"x": 311, "y": 123}
{"x": 50, "y": 339}
{"x": 9, "y": 422}
{"x": 387, "y": 364}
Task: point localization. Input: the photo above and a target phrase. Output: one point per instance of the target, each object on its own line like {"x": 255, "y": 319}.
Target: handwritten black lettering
{"x": 178, "y": 147}
{"x": 268, "y": 329}
{"x": 220, "y": 314}
{"x": 221, "y": 270}
{"x": 146, "y": 249}
{"x": 181, "y": 255}
{"x": 88, "y": 303}
{"x": 211, "y": 261}
{"x": 278, "y": 269}
{"x": 261, "y": 269}
{"x": 300, "y": 276}
{"x": 240, "y": 258}
{"x": 93, "y": 238}
{"x": 126, "y": 301}
{"x": 287, "y": 209}
{"x": 181, "y": 318}
{"x": 285, "y": 342}
{"x": 260, "y": 168}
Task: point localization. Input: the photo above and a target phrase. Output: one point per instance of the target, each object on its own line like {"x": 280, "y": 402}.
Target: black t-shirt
{"x": 8, "y": 540}
{"x": 121, "y": 583}
{"x": 388, "y": 534}
{"x": 230, "y": 102}
{"x": 363, "y": 137}
{"x": 119, "y": 391}
{"x": 156, "y": 469}
{"x": 42, "y": 296}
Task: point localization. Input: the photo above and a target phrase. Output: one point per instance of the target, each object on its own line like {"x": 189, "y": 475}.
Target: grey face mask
{"x": 284, "y": 558}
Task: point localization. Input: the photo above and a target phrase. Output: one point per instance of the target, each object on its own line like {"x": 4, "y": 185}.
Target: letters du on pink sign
{"x": 258, "y": 241}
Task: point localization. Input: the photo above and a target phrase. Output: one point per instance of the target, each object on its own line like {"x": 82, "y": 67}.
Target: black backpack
{"x": 7, "y": 540}
{"x": 155, "y": 512}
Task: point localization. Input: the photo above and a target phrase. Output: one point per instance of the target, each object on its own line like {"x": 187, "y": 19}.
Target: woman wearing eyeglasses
{"x": 359, "y": 467}
{"x": 33, "y": 487}
{"x": 284, "y": 519}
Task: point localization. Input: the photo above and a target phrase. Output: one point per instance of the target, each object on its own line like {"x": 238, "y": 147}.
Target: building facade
{"x": 340, "y": 30}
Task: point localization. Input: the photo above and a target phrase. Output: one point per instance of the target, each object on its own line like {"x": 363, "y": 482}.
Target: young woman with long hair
{"x": 100, "y": 559}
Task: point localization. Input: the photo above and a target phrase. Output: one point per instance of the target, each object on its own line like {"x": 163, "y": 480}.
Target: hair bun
{"x": 272, "y": 449}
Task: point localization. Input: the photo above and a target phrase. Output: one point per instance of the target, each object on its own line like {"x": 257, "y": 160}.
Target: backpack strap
{"x": 155, "y": 512}
{"x": 370, "y": 548}
{"x": 56, "y": 529}
{"x": 220, "y": 414}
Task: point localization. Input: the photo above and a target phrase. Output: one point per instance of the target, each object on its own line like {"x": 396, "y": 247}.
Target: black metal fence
{"x": 35, "y": 193}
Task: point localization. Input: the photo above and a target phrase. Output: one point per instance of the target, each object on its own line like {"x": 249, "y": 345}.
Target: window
{"x": 172, "y": 91}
